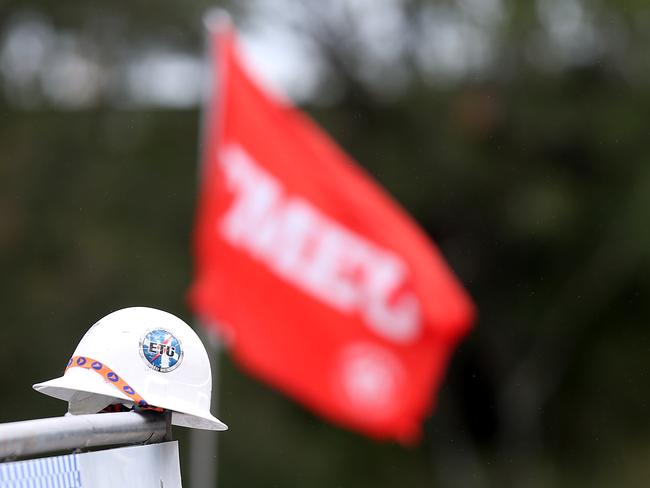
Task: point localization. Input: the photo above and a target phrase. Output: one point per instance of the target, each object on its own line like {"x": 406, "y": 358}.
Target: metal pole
{"x": 204, "y": 444}
{"x": 29, "y": 437}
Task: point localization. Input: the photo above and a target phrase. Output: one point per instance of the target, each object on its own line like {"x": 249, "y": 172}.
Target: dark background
{"x": 528, "y": 166}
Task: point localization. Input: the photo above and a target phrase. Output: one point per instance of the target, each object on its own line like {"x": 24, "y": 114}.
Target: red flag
{"x": 320, "y": 283}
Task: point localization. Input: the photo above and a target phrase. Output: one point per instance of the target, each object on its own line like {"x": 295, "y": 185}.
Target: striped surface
{"x": 144, "y": 466}
{"x": 52, "y": 472}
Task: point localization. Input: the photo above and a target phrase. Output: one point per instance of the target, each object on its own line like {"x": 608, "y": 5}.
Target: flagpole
{"x": 204, "y": 445}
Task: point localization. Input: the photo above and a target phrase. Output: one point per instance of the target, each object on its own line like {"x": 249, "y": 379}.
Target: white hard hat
{"x": 144, "y": 357}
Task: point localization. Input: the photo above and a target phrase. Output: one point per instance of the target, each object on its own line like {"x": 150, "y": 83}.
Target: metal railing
{"x": 31, "y": 437}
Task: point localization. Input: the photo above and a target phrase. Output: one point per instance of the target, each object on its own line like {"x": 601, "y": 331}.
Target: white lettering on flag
{"x": 314, "y": 252}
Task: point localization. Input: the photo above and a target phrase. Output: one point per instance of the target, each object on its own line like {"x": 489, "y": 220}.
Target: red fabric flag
{"x": 319, "y": 282}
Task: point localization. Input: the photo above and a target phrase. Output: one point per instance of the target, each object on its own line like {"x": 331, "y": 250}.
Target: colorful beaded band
{"x": 111, "y": 378}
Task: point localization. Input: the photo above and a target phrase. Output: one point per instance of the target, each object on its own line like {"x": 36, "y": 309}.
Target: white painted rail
{"x": 30, "y": 437}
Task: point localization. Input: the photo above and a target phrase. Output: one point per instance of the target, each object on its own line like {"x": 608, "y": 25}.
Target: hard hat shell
{"x": 156, "y": 353}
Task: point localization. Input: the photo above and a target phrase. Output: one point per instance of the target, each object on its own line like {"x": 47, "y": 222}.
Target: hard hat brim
{"x": 77, "y": 380}
{"x": 196, "y": 419}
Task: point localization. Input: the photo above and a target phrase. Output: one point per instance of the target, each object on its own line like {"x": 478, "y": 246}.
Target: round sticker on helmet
{"x": 161, "y": 350}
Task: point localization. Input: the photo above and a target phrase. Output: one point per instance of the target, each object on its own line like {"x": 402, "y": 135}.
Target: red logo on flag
{"x": 321, "y": 284}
